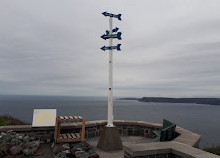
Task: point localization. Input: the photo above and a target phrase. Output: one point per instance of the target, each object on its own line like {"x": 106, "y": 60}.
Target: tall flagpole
{"x": 110, "y": 92}
{"x": 110, "y": 139}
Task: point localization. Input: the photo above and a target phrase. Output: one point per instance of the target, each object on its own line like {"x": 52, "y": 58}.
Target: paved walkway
{"x": 126, "y": 140}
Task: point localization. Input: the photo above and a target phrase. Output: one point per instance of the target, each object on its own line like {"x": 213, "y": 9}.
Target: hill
{"x": 9, "y": 120}
{"x": 209, "y": 101}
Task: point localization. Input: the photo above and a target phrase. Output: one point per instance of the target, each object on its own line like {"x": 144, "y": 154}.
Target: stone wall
{"x": 43, "y": 133}
{"x": 169, "y": 155}
{"x": 170, "y": 149}
{"x": 94, "y": 128}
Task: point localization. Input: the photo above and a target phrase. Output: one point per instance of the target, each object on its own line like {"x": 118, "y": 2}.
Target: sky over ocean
{"x": 169, "y": 48}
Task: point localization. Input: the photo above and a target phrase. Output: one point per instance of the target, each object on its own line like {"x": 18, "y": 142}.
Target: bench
{"x": 167, "y": 133}
{"x": 69, "y": 137}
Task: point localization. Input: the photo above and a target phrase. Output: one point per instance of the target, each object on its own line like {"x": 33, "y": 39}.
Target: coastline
{"x": 207, "y": 101}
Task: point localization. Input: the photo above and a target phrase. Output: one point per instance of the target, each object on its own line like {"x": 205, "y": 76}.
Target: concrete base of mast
{"x": 110, "y": 139}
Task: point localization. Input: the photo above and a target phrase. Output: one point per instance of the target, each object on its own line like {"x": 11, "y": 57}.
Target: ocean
{"x": 201, "y": 119}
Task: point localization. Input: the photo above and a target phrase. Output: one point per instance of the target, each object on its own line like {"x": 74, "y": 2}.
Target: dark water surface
{"x": 201, "y": 119}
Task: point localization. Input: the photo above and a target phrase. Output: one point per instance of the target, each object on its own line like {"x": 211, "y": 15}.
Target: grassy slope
{"x": 9, "y": 120}
{"x": 214, "y": 150}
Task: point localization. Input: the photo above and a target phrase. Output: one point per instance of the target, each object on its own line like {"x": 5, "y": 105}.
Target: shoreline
{"x": 207, "y": 101}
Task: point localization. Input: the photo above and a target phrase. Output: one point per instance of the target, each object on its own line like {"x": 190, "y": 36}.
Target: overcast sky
{"x": 169, "y": 48}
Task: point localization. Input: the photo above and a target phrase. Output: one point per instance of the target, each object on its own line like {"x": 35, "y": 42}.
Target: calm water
{"x": 201, "y": 119}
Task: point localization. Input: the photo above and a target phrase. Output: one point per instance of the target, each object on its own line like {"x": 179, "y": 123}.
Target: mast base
{"x": 110, "y": 139}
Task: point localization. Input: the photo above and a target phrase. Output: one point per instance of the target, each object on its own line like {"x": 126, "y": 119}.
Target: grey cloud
{"x": 52, "y": 47}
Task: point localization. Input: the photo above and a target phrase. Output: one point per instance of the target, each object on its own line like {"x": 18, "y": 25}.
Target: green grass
{"x": 9, "y": 120}
{"x": 214, "y": 150}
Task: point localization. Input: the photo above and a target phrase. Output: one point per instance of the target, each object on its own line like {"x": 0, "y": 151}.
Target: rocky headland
{"x": 209, "y": 101}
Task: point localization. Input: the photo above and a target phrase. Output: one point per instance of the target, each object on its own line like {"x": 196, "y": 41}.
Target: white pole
{"x": 110, "y": 93}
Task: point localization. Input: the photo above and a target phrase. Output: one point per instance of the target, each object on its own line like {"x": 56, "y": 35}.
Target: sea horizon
{"x": 188, "y": 116}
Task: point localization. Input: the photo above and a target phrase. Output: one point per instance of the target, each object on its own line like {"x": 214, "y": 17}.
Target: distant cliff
{"x": 210, "y": 101}
{"x": 130, "y": 98}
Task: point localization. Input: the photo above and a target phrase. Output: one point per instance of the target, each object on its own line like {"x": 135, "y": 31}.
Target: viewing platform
{"x": 137, "y": 139}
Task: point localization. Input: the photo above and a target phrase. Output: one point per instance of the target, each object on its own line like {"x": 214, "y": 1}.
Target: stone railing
{"x": 94, "y": 128}
{"x": 165, "y": 150}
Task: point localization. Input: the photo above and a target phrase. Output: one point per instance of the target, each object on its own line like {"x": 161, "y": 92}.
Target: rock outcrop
{"x": 12, "y": 143}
